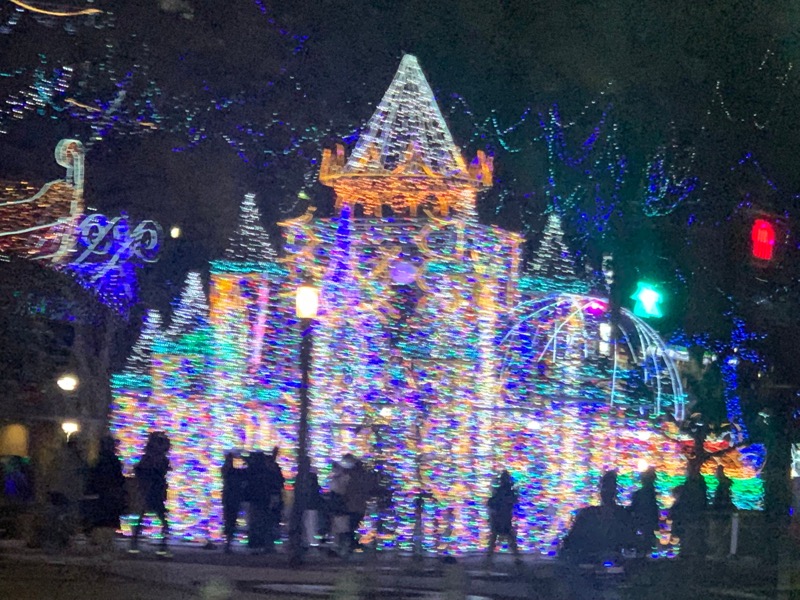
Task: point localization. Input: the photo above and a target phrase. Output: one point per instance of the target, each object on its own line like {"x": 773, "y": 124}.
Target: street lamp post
{"x": 68, "y": 383}
{"x": 306, "y": 306}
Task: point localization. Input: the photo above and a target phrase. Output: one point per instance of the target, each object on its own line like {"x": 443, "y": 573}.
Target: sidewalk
{"x": 193, "y": 571}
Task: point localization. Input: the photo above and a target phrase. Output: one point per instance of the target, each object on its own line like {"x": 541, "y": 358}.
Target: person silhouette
{"x": 501, "y": 515}
{"x": 645, "y": 512}
{"x": 151, "y": 479}
{"x": 600, "y": 533}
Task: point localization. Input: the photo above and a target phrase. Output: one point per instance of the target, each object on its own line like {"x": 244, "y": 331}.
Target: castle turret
{"x": 406, "y": 158}
{"x": 133, "y": 412}
{"x": 253, "y": 349}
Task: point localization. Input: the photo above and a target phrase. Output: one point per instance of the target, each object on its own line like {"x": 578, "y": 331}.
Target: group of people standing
{"x": 97, "y": 496}
{"x": 92, "y": 498}
{"x": 603, "y": 532}
{"x": 257, "y": 480}
{"x": 84, "y": 497}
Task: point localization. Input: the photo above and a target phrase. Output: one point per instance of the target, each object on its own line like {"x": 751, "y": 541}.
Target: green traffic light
{"x": 648, "y": 301}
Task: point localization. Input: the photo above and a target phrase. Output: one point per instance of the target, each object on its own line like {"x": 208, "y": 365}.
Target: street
{"x": 193, "y": 572}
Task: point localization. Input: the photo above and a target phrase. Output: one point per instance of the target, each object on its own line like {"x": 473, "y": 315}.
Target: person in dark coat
{"x": 151, "y": 479}
{"x": 68, "y": 487}
{"x": 723, "y": 501}
{"x": 310, "y": 505}
{"x": 361, "y": 486}
{"x": 501, "y": 515}
{"x": 645, "y": 512}
{"x": 107, "y": 486}
{"x": 723, "y": 507}
{"x": 688, "y": 514}
{"x": 276, "y": 483}
{"x": 600, "y": 533}
{"x": 265, "y": 487}
{"x": 233, "y": 483}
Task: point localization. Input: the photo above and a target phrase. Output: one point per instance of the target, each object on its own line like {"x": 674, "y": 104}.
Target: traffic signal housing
{"x": 763, "y": 237}
{"x": 768, "y": 239}
{"x": 649, "y": 300}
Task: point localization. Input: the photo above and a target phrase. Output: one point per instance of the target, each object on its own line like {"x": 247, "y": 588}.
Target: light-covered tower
{"x": 243, "y": 313}
{"x": 413, "y": 291}
{"x": 406, "y": 158}
{"x": 134, "y": 412}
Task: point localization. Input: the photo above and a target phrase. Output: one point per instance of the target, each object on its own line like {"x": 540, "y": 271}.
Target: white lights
{"x": 386, "y": 412}
{"x": 250, "y": 241}
{"x": 70, "y": 428}
{"x": 175, "y": 232}
{"x": 192, "y": 309}
{"x": 68, "y": 382}
{"x": 642, "y": 465}
{"x": 408, "y": 117}
{"x": 553, "y": 258}
{"x": 307, "y": 301}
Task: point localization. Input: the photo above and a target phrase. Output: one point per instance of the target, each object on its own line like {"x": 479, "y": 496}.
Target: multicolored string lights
{"x": 436, "y": 357}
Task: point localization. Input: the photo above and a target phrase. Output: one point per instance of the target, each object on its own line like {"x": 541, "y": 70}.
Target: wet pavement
{"x": 82, "y": 572}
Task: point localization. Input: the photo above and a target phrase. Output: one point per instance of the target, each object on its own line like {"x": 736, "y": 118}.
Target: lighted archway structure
{"x": 581, "y": 394}
{"x": 562, "y": 333}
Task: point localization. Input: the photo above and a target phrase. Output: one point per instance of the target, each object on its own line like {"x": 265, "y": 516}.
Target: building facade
{"x": 438, "y": 356}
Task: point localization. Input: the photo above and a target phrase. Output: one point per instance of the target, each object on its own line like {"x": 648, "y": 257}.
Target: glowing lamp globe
{"x": 596, "y": 307}
{"x": 67, "y": 383}
{"x": 403, "y": 272}
{"x": 70, "y": 427}
{"x": 307, "y": 302}
{"x": 175, "y": 232}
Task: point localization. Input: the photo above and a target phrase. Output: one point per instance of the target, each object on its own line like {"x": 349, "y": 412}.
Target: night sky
{"x": 244, "y": 95}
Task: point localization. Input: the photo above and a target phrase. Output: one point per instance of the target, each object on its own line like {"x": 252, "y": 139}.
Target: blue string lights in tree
{"x": 586, "y": 178}
{"x": 730, "y": 354}
{"x": 670, "y": 181}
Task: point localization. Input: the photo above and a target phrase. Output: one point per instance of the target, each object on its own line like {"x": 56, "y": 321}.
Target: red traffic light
{"x": 763, "y": 237}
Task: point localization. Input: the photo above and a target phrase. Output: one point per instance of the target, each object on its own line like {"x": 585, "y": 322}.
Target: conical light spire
{"x": 139, "y": 360}
{"x": 407, "y": 126}
{"x": 250, "y": 242}
{"x": 553, "y": 259}
{"x": 406, "y": 158}
{"x": 192, "y": 310}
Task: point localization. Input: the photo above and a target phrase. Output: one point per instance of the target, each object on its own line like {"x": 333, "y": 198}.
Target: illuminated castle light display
{"x": 438, "y": 355}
